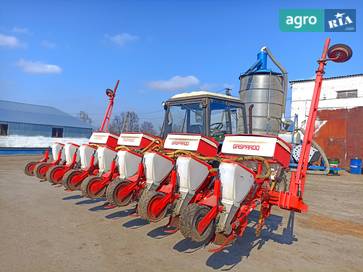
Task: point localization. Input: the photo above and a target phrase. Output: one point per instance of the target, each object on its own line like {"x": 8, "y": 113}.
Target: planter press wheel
{"x": 147, "y": 203}
{"x": 55, "y": 174}
{"x": 41, "y": 169}
{"x": 29, "y": 168}
{"x": 186, "y": 220}
{"x": 116, "y": 194}
{"x": 91, "y": 187}
{"x": 196, "y": 213}
{"x": 71, "y": 180}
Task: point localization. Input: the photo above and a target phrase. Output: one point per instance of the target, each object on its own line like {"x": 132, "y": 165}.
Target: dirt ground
{"x": 44, "y": 228}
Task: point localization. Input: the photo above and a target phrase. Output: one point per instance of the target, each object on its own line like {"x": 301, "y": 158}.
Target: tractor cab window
{"x": 185, "y": 118}
{"x": 225, "y": 118}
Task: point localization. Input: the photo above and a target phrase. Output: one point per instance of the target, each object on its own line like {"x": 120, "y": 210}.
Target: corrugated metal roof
{"x": 35, "y": 114}
{"x": 325, "y": 78}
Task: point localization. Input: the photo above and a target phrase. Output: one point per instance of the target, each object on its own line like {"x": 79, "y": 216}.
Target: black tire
{"x": 186, "y": 220}
{"x": 144, "y": 203}
{"x": 197, "y": 212}
{"x": 51, "y": 172}
{"x": 87, "y": 183}
{"x": 38, "y": 170}
{"x": 67, "y": 180}
{"x": 29, "y": 168}
{"x": 112, "y": 193}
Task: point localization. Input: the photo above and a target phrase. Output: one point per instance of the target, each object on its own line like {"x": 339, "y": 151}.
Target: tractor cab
{"x": 206, "y": 113}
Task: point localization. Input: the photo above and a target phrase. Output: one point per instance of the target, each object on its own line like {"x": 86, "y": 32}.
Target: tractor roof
{"x": 204, "y": 94}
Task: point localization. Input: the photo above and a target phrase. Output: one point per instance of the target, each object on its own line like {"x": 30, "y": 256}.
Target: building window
{"x": 347, "y": 94}
{"x": 57, "y": 132}
{"x": 4, "y": 129}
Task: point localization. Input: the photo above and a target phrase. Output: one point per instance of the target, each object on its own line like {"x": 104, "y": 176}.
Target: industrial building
{"x": 20, "y": 123}
{"x": 340, "y": 114}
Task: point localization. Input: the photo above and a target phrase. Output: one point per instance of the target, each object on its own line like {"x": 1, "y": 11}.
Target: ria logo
{"x": 340, "y": 20}
{"x": 317, "y": 20}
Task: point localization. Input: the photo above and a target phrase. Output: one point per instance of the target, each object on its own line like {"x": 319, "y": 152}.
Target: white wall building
{"x": 342, "y": 92}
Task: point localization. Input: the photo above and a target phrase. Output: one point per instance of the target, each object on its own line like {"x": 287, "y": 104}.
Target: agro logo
{"x": 299, "y": 21}
{"x": 246, "y": 146}
{"x": 340, "y": 20}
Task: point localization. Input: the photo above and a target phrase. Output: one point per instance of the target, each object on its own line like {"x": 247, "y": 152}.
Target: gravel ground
{"x": 44, "y": 228}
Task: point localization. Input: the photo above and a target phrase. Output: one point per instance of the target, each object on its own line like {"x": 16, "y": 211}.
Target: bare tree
{"x": 125, "y": 122}
{"x": 116, "y": 124}
{"x": 84, "y": 117}
{"x": 147, "y": 127}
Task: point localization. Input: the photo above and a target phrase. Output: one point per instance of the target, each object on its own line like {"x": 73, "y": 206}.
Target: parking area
{"x": 44, "y": 228}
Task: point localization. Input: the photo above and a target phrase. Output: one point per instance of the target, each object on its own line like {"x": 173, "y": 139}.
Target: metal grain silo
{"x": 264, "y": 91}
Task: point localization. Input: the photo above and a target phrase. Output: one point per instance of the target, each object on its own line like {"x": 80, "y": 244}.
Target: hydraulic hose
{"x": 258, "y": 158}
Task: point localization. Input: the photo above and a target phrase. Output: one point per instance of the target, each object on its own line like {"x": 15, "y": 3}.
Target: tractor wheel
{"x": 186, "y": 220}
{"x": 116, "y": 195}
{"x": 55, "y": 174}
{"x": 196, "y": 213}
{"x": 70, "y": 180}
{"x": 146, "y": 203}
{"x": 92, "y": 188}
{"x": 29, "y": 168}
{"x": 41, "y": 169}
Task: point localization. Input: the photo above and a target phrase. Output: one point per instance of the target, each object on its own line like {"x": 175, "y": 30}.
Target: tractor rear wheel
{"x": 197, "y": 212}
{"x": 55, "y": 174}
{"x": 41, "y": 169}
{"x": 116, "y": 194}
{"x": 147, "y": 203}
{"x": 71, "y": 180}
{"x": 29, "y": 168}
{"x": 92, "y": 188}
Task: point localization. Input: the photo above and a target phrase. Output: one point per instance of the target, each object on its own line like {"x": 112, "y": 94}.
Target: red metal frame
{"x": 137, "y": 183}
{"x": 31, "y": 165}
{"x": 105, "y": 180}
{"x": 63, "y": 169}
{"x": 169, "y": 188}
{"x": 58, "y": 161}
{"x": 293, "y": 199}
{"x": 92, "y": 170}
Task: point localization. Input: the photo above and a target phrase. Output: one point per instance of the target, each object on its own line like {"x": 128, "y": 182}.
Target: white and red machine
{"x": 72, "y": 160}
{"x": 250, "y": 171}
{"x": 69, "y": 155}
{"x": 41, "y": 167}
{"x": 173, "y": 183}
{"x": 88, "y": 153}
{"x": 121, "y": 162}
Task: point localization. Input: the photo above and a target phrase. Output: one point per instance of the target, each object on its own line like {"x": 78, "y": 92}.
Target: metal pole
{"x": 297, "y": 186}
{"x": 108, "y": 113}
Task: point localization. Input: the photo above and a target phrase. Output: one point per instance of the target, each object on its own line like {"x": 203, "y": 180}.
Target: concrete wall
{"x": 341, "y": 134}
{"x": 302, "y": 93}
{"x": 36, "y": 141}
